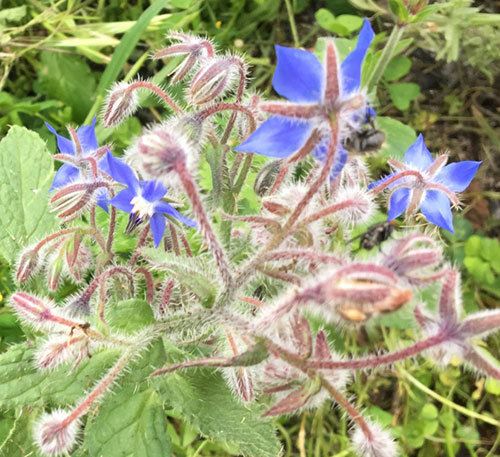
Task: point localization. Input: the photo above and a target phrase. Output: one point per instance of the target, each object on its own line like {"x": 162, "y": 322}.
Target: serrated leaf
{"x": 23, "y": 190}
{"x": 402, "y": 94}
{"x": 205, "y": 401}
{"x": 68, "y": 78}
{"x": 130, "y": 423}
{"x": 399, "y": 137}
{"x": 472, "y": 246}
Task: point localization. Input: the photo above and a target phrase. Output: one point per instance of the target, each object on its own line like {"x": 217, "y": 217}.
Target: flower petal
{"x": 64, "y": 145}
{"x": 436, "y": 209}
{"x": 157, "y": 225}
{"x": 398, "y": 203}
{"x": 121, "y": 172}
{"x": 418, "y": 156}
{"x": 320, "y": 151}
{"x": 152, "y": 190}
{"x": 102, "y": 197}
{"x": 277, "y": 137}
{"x": 66, "y": 174}
{"x": 351, "y": 66}
{"x": 123, "y": 199}
{"x": 457, "y": 176}
{"x": 165, "y": 208}
{"x": 86, "y": 135}
{"x": 299, "y": 75}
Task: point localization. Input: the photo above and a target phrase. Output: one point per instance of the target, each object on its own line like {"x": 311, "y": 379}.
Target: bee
{"x": 366, "y": 139}
{"x": 267, "y": 177}
{"x": 375, "y": 235}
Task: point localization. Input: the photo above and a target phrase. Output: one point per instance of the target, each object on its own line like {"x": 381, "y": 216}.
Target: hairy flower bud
{"x": 61, "y": 349}
{"x": 122, "y": 101}
{"x": 54, "y": 271}
{"x": 195, "y": 48}
{"x": 72, "y": 200}
{"x": 267, "y": 177}
{"x": 213, "y": 80}
{"x": 55, "y": 434}
{"x": 28, "y": 265}
{"x": 374, "y": 442}
{"x": 161, "y": 149}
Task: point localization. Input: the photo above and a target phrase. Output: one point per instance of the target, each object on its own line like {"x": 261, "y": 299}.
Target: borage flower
{"x": 321, "y": 96}
{"x": 142, "y": 200}
{"x": 83, "y": 146}
{"x": 425, "y": 183}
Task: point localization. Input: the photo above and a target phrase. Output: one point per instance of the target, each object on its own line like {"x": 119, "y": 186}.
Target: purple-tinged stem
{"x": 166, "y": 296}
{"x": 375, "y": 361}
{"x": 161, "y": 93}
{"x": 330, "y": 210}
{"x": 223, "y": 106}
{"x": 102, "y": 281}
{"x": 142, "y": 239}
{"x": 206, "y": 229}
{"x": 239, "y": 95}
{"x": 150, "y": 290}
{"x": 312, "y": 256}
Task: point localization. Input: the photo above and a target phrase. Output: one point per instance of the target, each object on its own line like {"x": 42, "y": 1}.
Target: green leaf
{"x": 429, "y": 412}
{"x": 350, "y": 22}
{"x": 12, "y": 14}
{"x": 472, "y": 246}
{"x": 327, "y": 21}
{"x": 23, "y": 191}
{"x": 205, "y": 401}
{"x": 22, "y": 384}
{"x": 403, "y": 93}
{"x": 399, "y": 9}
{"x": 398, "y": 67}
{"x": 425, "y": 12}
{"x": 129, "y": 423}
{"x": 68, "y": 78}
{"x": 129, "y": 316}
{"x": 16, "y": 433}
{"x": 196, "y": 273}
{"x": 493, "y": 386}
{"x": 399, "y": 137}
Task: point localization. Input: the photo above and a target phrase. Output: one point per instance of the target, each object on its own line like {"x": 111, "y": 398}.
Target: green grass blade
{"x": 122, "y": 53}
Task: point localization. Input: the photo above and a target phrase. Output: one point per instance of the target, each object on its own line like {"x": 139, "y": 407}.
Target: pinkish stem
{"x": 162, "y": 94}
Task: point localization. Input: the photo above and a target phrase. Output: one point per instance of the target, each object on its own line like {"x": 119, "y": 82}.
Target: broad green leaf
{"x": 12, "y": 14}
{"x": 425, "y": 12}
{"x": 129, "y": 316}
{"x": 22, "y": 384}
{"x": 130, "y": 423}
{"x": 23, "y": 191}
{"x": 327, "y": 21}
{"x": 68, "y": 78}
{"x": 493, "y": 386}
{"x": 402, "y": 94}
{"x": 398, "y": 67}
{"x": 16, "y": 433}
{"x": 429, "y": 412}
{"x": 350, "y": 22}
{"x": 205, "y": 401}
{"x": 399, "y": 137}
{"x": 472, "y": 246}
{"x": 399, "y": 9}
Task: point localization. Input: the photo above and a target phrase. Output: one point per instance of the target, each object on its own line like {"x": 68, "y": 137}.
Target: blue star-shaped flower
{"x": 425, "y": 183}
{"x": 319, "y": 94}
{"x": 68, "y": 173}
{"x": 142, "y": 200}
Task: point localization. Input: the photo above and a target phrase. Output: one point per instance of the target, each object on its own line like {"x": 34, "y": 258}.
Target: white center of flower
{"x": 141, "y": 207}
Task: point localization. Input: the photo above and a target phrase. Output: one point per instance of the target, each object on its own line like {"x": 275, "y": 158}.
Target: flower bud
{"x": 267, "y": 177}
{"x": 72, "y": 200}
{"x": 212, "y": 80}
{"x": 122, "y": 101}
{"x": 28, "y": 265}
{"x": 193, "y": 47}
{"x": 374, "y": 442}
{"x": 54, "y": 271}
{"x": 56, "y": 433}
{"x": 162, "y": 148}
{"x": 60, "y": 349}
